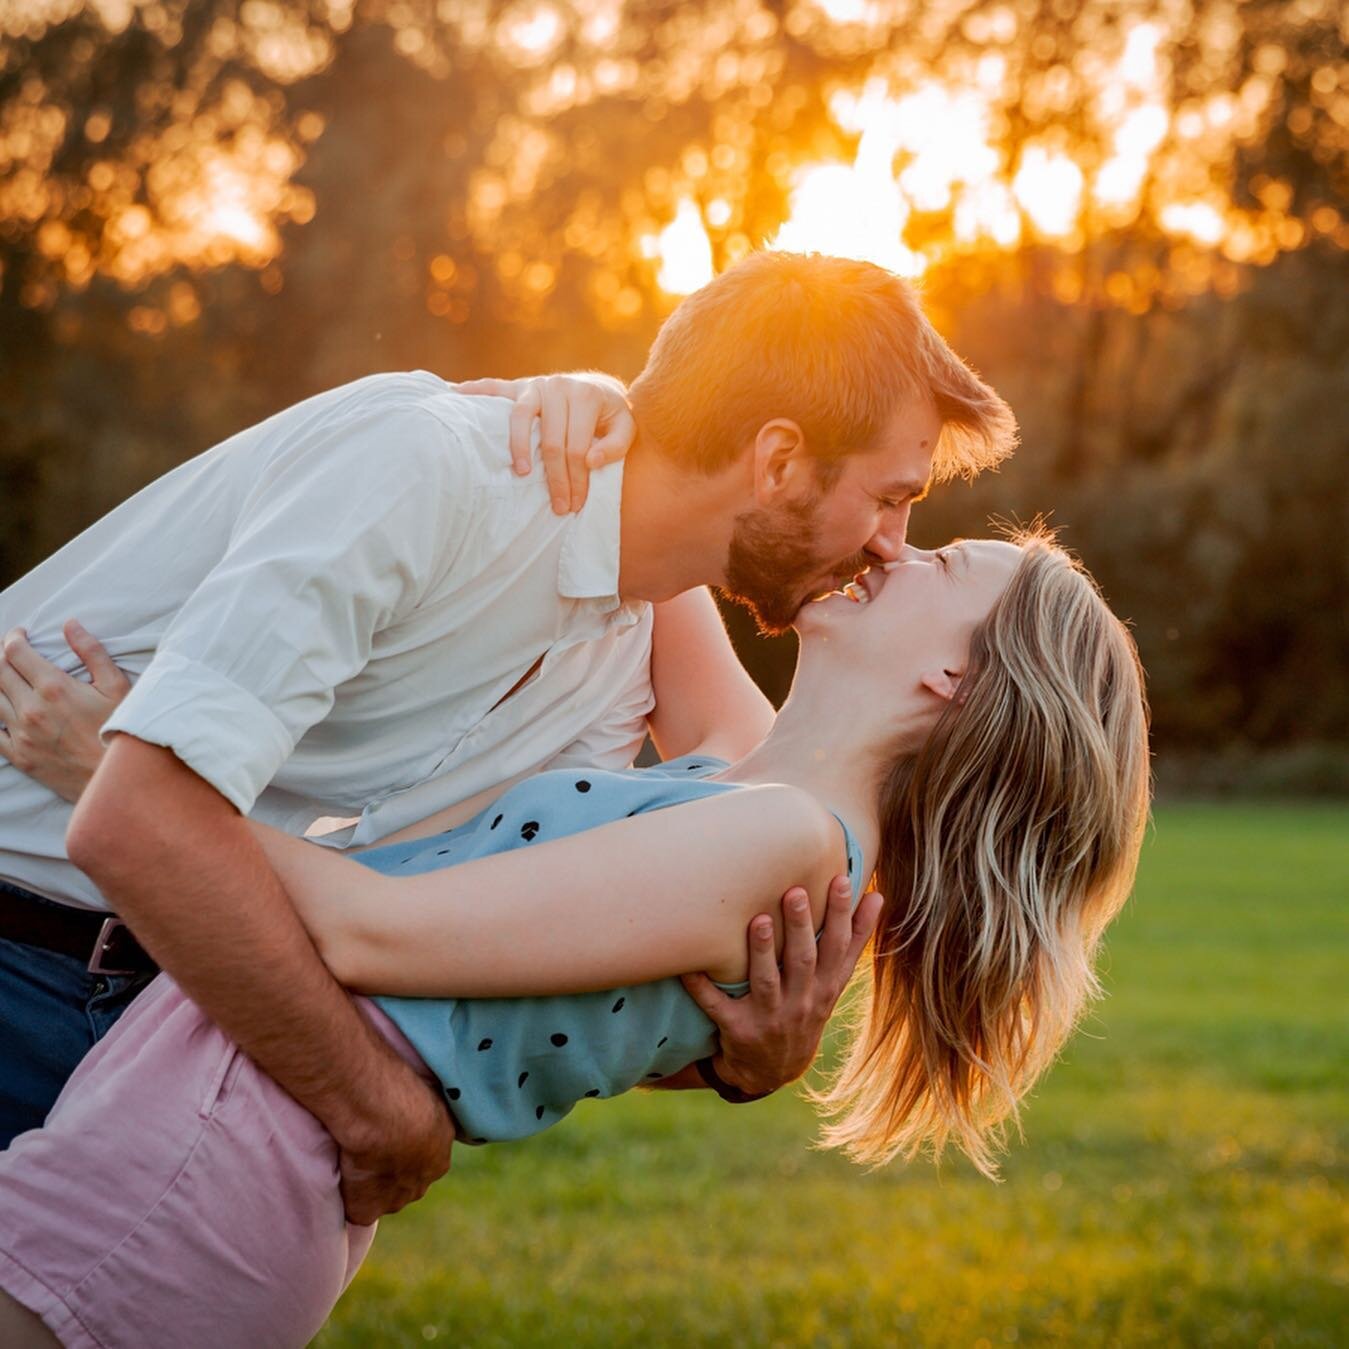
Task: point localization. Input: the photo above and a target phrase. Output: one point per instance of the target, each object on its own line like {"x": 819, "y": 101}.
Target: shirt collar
{"x": 588, "y": 565}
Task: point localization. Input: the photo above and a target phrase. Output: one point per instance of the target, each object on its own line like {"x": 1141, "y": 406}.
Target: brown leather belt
{"x": 100, "y": 939}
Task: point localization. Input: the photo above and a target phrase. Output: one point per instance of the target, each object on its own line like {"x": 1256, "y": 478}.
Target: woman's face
{"x": 908, "y": 625}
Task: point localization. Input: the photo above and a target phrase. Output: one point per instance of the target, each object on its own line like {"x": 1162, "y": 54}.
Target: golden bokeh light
{"x": 684, "y": 251}
{"x": 916, "y": 139}
{"x": 940, "y": 150}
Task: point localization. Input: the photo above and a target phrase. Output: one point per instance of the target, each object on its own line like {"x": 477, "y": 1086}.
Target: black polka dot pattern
{"x": 558, "y": 1075}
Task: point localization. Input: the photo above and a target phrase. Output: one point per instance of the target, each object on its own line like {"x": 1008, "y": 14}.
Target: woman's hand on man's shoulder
{"x": 51, "y": 720}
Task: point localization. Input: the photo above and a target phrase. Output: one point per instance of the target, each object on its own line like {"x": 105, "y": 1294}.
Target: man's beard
{"x": 772, "y": 563}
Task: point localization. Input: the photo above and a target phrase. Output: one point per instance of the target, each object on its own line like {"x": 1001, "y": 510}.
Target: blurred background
{"x": 1130, "y": 217}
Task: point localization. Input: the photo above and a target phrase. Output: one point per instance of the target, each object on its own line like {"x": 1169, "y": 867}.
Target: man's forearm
{"x": 181, "y": 867}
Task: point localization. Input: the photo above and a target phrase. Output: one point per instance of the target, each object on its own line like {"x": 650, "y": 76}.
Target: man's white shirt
{"x": 324, "y": 616}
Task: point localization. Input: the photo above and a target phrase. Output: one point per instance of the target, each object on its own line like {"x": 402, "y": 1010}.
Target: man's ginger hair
{"x": 836, "y": 345}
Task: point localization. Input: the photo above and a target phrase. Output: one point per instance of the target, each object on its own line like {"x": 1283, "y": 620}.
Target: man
{"x": 354, "y": 608}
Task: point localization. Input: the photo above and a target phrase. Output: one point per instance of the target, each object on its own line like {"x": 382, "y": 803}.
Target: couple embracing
{"x": 368, "y": 802}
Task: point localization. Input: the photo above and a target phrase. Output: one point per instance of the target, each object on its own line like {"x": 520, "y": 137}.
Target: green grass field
{"x": 1181, "y": 1180}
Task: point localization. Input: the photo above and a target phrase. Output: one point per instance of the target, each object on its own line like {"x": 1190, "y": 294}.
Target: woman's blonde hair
{"x": 1008, "y": 842}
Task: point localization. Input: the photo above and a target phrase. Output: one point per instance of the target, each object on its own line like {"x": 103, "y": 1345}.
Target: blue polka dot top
{"x": 513, "y": 1066}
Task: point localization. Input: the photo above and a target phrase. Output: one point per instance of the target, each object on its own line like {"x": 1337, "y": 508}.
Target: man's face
{"x": 782, "y": 556}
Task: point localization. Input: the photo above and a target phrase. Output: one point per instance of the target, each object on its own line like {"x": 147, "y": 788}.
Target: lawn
{"x": 1182, "y": 1178}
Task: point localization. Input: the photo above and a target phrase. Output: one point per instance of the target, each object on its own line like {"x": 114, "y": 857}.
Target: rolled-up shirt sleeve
{"x": 345, "y": 530}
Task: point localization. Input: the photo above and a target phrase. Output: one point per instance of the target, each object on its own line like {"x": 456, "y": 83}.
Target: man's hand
{"x": 584, "y": 423}
{"x": 388, "y": 1165}
{"x": 771, "y": 1036}
{"x": 51, "y": 720}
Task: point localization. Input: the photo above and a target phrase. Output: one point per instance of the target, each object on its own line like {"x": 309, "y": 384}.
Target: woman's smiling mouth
{"x": 862, "y": 589}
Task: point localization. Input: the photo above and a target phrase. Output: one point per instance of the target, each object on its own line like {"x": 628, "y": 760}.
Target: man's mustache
{"x": 848, "y": 569}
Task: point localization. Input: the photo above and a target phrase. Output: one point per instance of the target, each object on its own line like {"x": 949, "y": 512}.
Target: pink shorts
{"x": 176, "y": 1196}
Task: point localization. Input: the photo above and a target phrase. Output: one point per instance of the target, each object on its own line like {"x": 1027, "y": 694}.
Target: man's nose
{"x": 908, "y": 553}
{"x": 887, "y": 543}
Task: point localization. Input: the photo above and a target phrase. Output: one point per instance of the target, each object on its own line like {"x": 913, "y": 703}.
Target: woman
{"x": 969, "y": 724}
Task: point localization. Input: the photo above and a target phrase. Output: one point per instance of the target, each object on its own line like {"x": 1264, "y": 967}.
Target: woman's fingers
{"x": 581, "y": 422}
{"x": 492, "y": 388}
{"x": 15, "y": 688}
{"x": 523, "y": 414}
{"x": 584, "y": 423}
{"x": 553, "y": 416}
{"x": 619, "y": 432}
{"x": 15, "y": 694}
{"x": 21, "y": 661}
{"x": 103, "y": 671}
{"x": 8, "y": 717}
{"x": 522, "y": 393}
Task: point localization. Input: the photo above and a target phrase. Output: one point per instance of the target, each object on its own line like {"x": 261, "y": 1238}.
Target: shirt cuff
{"x": 220, "y": 731}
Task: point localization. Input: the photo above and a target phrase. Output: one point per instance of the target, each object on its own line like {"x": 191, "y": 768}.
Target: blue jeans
{"x": 52, "y": 1012}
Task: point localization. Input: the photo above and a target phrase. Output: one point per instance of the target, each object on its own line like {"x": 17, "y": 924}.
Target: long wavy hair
{"x": 1009, "y": 840}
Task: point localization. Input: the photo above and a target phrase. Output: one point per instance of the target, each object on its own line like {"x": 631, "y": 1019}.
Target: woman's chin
{"x": 823, "y": 613}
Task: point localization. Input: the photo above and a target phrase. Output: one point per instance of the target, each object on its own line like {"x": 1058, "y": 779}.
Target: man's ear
{"x": 944, "y": 683}
{"x": 780, "y": 462}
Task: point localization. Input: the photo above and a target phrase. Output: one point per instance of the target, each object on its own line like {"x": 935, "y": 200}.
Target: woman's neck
{"x": 801, "y": 752}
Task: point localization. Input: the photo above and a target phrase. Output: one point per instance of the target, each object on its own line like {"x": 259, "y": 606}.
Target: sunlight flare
{"x": 685, "y": 252}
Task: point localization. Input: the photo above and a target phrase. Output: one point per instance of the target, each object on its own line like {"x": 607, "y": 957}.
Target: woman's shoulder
{"x": 759, "y": 842}
{"x": 789, "y": 835}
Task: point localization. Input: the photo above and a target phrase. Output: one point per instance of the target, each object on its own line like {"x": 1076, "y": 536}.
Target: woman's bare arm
{"x": 640, "y": 899}
{"x": 705, "y": 702}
